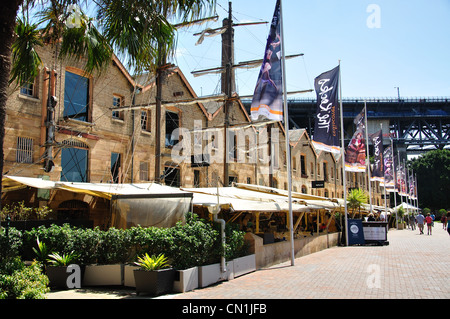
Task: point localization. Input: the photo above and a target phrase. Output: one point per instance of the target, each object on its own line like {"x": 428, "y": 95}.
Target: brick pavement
{"x": 412, "y": 266}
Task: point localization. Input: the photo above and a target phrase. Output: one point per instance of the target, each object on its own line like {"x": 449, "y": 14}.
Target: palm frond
{"x": 57, "y": 259}
{"x": 136, "y": 30}
{"x": 152, "y": 263}
{"x": 356, "y": 197}
{"x": 25, "y": 60}
{"x": 87, "y": 43}
{"x": 140, "y": 30}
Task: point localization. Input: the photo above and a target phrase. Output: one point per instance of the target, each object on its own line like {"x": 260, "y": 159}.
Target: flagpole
{"x": 384, "y": 175}
{"x": 286, "y": 128}
{"x": 344, "y": 176}
{"x": 400, "y": 191}
{"x": 416, "y": 189}
{"x": 367, "y": 156}
{"x": 394, "y": 173}
{"x": 407, "y": 186}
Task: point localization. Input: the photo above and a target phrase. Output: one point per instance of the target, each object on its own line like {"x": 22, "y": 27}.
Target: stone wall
{"x": 275, "y": 253}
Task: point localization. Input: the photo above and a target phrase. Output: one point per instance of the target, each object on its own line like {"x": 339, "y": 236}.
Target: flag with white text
{"x": 378, "y": 165}
{"x": 327, "y": 118}
{"x": 388, "y": 169}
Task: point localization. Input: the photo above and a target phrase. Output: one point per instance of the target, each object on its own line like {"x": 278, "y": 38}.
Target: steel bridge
{"x": 416, "y": 125}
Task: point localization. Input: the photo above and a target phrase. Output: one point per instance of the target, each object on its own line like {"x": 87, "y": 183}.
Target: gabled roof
{"x": 295, "y": 135}
{"x": 147, "y": 81}
{"x": 216, "y": 107}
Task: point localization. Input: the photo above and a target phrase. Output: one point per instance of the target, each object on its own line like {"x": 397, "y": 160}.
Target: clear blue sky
{"x": 408, "y": 46}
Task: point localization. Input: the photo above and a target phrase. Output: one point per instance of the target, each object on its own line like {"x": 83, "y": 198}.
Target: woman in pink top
{"x": 429, "y": 221}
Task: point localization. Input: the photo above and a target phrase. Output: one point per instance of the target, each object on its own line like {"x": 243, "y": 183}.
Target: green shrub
{"x": 18, "y": 211}
{"x": 152, "y": 263}
{"x": 18, "y": 281}
{"x": 10, "y": 246}
{"x": 85, "y": 242}
{"x": 151, "y": 240}
{"x": 235, "y": 245}
{"x": 57, "y": 239}
{"x": 195, "y": 242}
{"x": 113, "y": 246}
{"x": 192, "y": 243}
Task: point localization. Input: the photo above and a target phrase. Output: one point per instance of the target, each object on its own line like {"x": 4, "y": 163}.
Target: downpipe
{"x": 223, "y": 267}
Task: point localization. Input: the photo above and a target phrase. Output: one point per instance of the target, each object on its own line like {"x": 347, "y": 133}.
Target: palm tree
{"x": 139, "y": 31}
{"x": 355, "y": 198}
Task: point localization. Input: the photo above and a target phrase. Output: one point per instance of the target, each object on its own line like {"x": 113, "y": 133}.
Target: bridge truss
{"x": 416, "y": 125}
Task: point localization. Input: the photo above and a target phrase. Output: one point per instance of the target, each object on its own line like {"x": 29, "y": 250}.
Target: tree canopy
{"x": 433, "y": 179}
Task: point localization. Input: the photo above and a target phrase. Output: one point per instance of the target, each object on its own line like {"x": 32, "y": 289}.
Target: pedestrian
{"x": 433, "y": 217}
{"x": 429, "y": 221}
{"x": 419, "y": 220}
{"x": 444, "y": 221}
{"x": 448, "y": 222}
{"x": 412, "y": 221}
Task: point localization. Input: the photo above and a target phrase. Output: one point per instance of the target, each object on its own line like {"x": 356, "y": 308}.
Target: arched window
{"x": 304, "y": 190}
{"x": 73, "y": 209}
{"x": 74, "y": 161}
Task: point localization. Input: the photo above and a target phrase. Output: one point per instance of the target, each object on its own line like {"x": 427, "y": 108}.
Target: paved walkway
{"x": 412, "y": 266}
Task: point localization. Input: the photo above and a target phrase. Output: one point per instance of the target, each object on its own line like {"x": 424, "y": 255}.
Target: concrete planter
{"x": 57, "y": 276}
{"x": 210, "y": 274}
{"x": 155, "y": 282}
{"x": 244, "y": 265}
{"x": 103, "y": 275}
{"x": 128, "y": 275}
{"x": 186, "y": 279}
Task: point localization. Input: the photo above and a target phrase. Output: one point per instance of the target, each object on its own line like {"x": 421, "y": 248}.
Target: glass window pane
{"x": 76, "y": 96}
{"x": 115, "y": 167}
{"x": 74, "y": 165}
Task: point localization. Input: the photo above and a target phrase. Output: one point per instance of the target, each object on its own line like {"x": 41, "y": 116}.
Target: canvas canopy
{"x": 146, "y": 204}
{"x": 254, "y": 198}
{"x": 407, "y": 207}
{"x": 249, "y": 202}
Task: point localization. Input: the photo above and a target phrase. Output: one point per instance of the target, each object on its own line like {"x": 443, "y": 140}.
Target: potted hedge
{"x": 56, "y": 269}
{"x": 141, "y": 240}
{"x": 237, "y": 251}
{"x": 112, "y": 250}
{"x": 154, "y": 275}
{"x": 190, "y": 246}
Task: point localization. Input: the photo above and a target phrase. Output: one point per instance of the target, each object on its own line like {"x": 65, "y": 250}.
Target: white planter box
{"x": 229, "y": 274}
{"x": 244, "y": 265}
{"x": 210, "y": 274}
{"x": 186, "y": 280}
{"x": 128, "y": 275}
{"x": 103, "y": 275}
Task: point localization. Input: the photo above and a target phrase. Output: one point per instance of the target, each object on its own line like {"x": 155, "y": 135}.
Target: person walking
{"x": 448, "y": 222}
{"x": 412, "y": 221}
{"x": 419, "y": 220}
{"x": 444, "y": 221}
{"x": 429, "y": 221}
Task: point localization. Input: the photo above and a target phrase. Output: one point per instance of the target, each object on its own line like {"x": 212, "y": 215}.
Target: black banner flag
{"x": 327, "y": 119}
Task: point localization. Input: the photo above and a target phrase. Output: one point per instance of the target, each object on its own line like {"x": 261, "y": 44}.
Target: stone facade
{"x": 119, "y": 146}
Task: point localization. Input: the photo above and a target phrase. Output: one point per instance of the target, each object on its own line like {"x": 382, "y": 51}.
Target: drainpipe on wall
{"x": 223, "y": 267}
{"x": 50, "y": 122}
{"x": 214, "y": 210}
